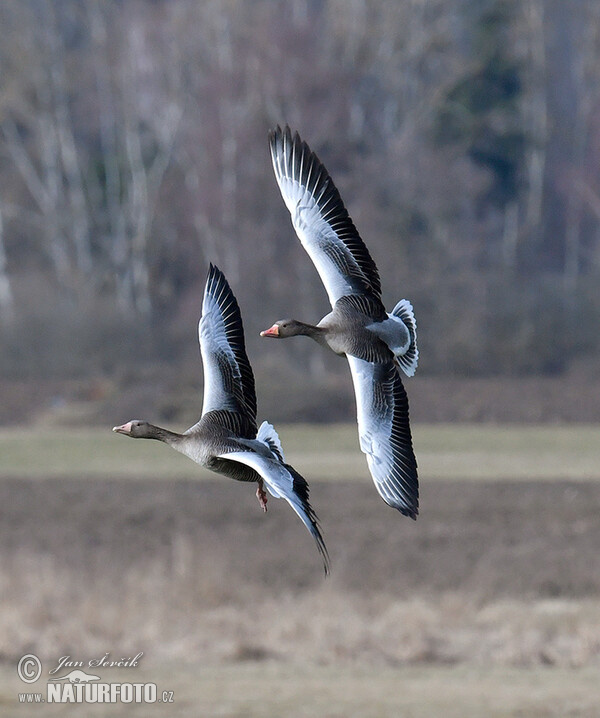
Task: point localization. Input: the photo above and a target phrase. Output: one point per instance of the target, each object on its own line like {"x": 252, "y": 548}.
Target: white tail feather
{"x": 409, "y": 360}
{"x": 268, "y": 435}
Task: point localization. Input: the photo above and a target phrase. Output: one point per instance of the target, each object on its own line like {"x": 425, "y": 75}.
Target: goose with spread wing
{"x": 376, "y": 343}
{"x": 226, "y": 439}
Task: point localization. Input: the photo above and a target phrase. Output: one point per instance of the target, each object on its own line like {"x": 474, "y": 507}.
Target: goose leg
{"x": 261, "y": 495}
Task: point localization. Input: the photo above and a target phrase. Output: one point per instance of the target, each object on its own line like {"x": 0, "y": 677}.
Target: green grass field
{"x": 460, "y": 451}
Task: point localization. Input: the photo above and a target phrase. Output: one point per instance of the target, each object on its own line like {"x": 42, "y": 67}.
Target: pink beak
{"x": 272, "y": 332}
{"x": 125, "y": 429}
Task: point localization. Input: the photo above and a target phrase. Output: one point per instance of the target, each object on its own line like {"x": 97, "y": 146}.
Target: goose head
{"x": 286, "y": 328}
{"x": 136, "y": 429}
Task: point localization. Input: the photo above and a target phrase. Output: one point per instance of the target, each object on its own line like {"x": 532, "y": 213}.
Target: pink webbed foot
{"x": 261, "y": 495}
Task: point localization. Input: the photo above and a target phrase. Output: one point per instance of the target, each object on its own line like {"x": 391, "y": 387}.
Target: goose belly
{"x": 209, "y": 459}
{"x": 232, "y": 469}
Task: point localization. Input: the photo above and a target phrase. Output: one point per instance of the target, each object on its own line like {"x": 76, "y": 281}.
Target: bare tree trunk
{"x": 112, "y": 188}
{"x": 572, "y": 244}
{"x": 138, "y": 205}
{"x": 78, "y": 215}
{"x": 228, "y": 113}
{"x": 6, "y": 295}
{"x": 510, "y": 234}
{"x": 574, "y": 211}
{"x": 145, "y": 181}
{"x": 46, "y": 157}
{"x": 44, "y": 189}
{"x": 537, "y": 109}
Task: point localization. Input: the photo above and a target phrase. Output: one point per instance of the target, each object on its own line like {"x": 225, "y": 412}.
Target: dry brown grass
{"x": 504, "y": 574}
{"x": 272, "y": 689}
{"x": 486, "y": 606}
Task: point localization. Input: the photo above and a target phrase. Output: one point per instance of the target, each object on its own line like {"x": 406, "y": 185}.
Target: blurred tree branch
{"x": 133, "y": 140}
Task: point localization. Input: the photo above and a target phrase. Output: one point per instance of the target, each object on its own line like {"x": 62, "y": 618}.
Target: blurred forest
{"x": 464, "y": 136}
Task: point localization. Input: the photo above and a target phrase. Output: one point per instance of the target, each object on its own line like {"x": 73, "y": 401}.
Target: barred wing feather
{"x": 384, "y": 433}
{"x": 228, "y": 378}
{"x": 321, "y": 220}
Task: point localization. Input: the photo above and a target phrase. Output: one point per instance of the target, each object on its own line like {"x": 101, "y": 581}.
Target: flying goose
{"x": 226, "y": 439}
{"x": 375, "y": 343}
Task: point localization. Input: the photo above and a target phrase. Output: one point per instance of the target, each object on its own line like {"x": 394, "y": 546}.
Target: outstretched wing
{"x": 284, "y": 482}
{"x": 320, "y": 219}
{"x": 228, "y": 378}
{"x": 384, "y": 433}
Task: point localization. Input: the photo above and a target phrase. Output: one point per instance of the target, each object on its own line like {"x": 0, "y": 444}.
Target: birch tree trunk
{"x": 68, "y": 153}
{"x": 115, "y": 236}
{"x": 43, "y": 186}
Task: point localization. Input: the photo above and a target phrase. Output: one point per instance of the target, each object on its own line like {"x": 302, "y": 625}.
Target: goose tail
{"x": 409, "y": 360}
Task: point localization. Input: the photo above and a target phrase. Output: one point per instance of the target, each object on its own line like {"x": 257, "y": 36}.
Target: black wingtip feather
{"x": 218, "y": 287}
{"x": 401, "y": 424}
{"x": 301, "y": 489}
{"x": 399, "y": 486}
{"x": 411, "y": 513}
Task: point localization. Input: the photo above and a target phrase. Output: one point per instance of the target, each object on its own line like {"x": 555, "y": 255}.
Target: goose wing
{"x": 384, "y": 433}
{"x": 228, "y": 378}
{"x": 320, "y": 219}
{"x": 284, "y": 482}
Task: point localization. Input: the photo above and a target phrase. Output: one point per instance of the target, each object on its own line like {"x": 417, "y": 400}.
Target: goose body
{"x": 226, "y": 439}
{"x": 376, "y": 343}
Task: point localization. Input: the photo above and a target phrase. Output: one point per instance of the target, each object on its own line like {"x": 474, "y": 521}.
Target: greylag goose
{"x": 375, "y": 343}
{"x": 226, "y": 439}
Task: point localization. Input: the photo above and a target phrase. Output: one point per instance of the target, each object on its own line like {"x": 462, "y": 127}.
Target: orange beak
{"x": 272, "y": 332}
